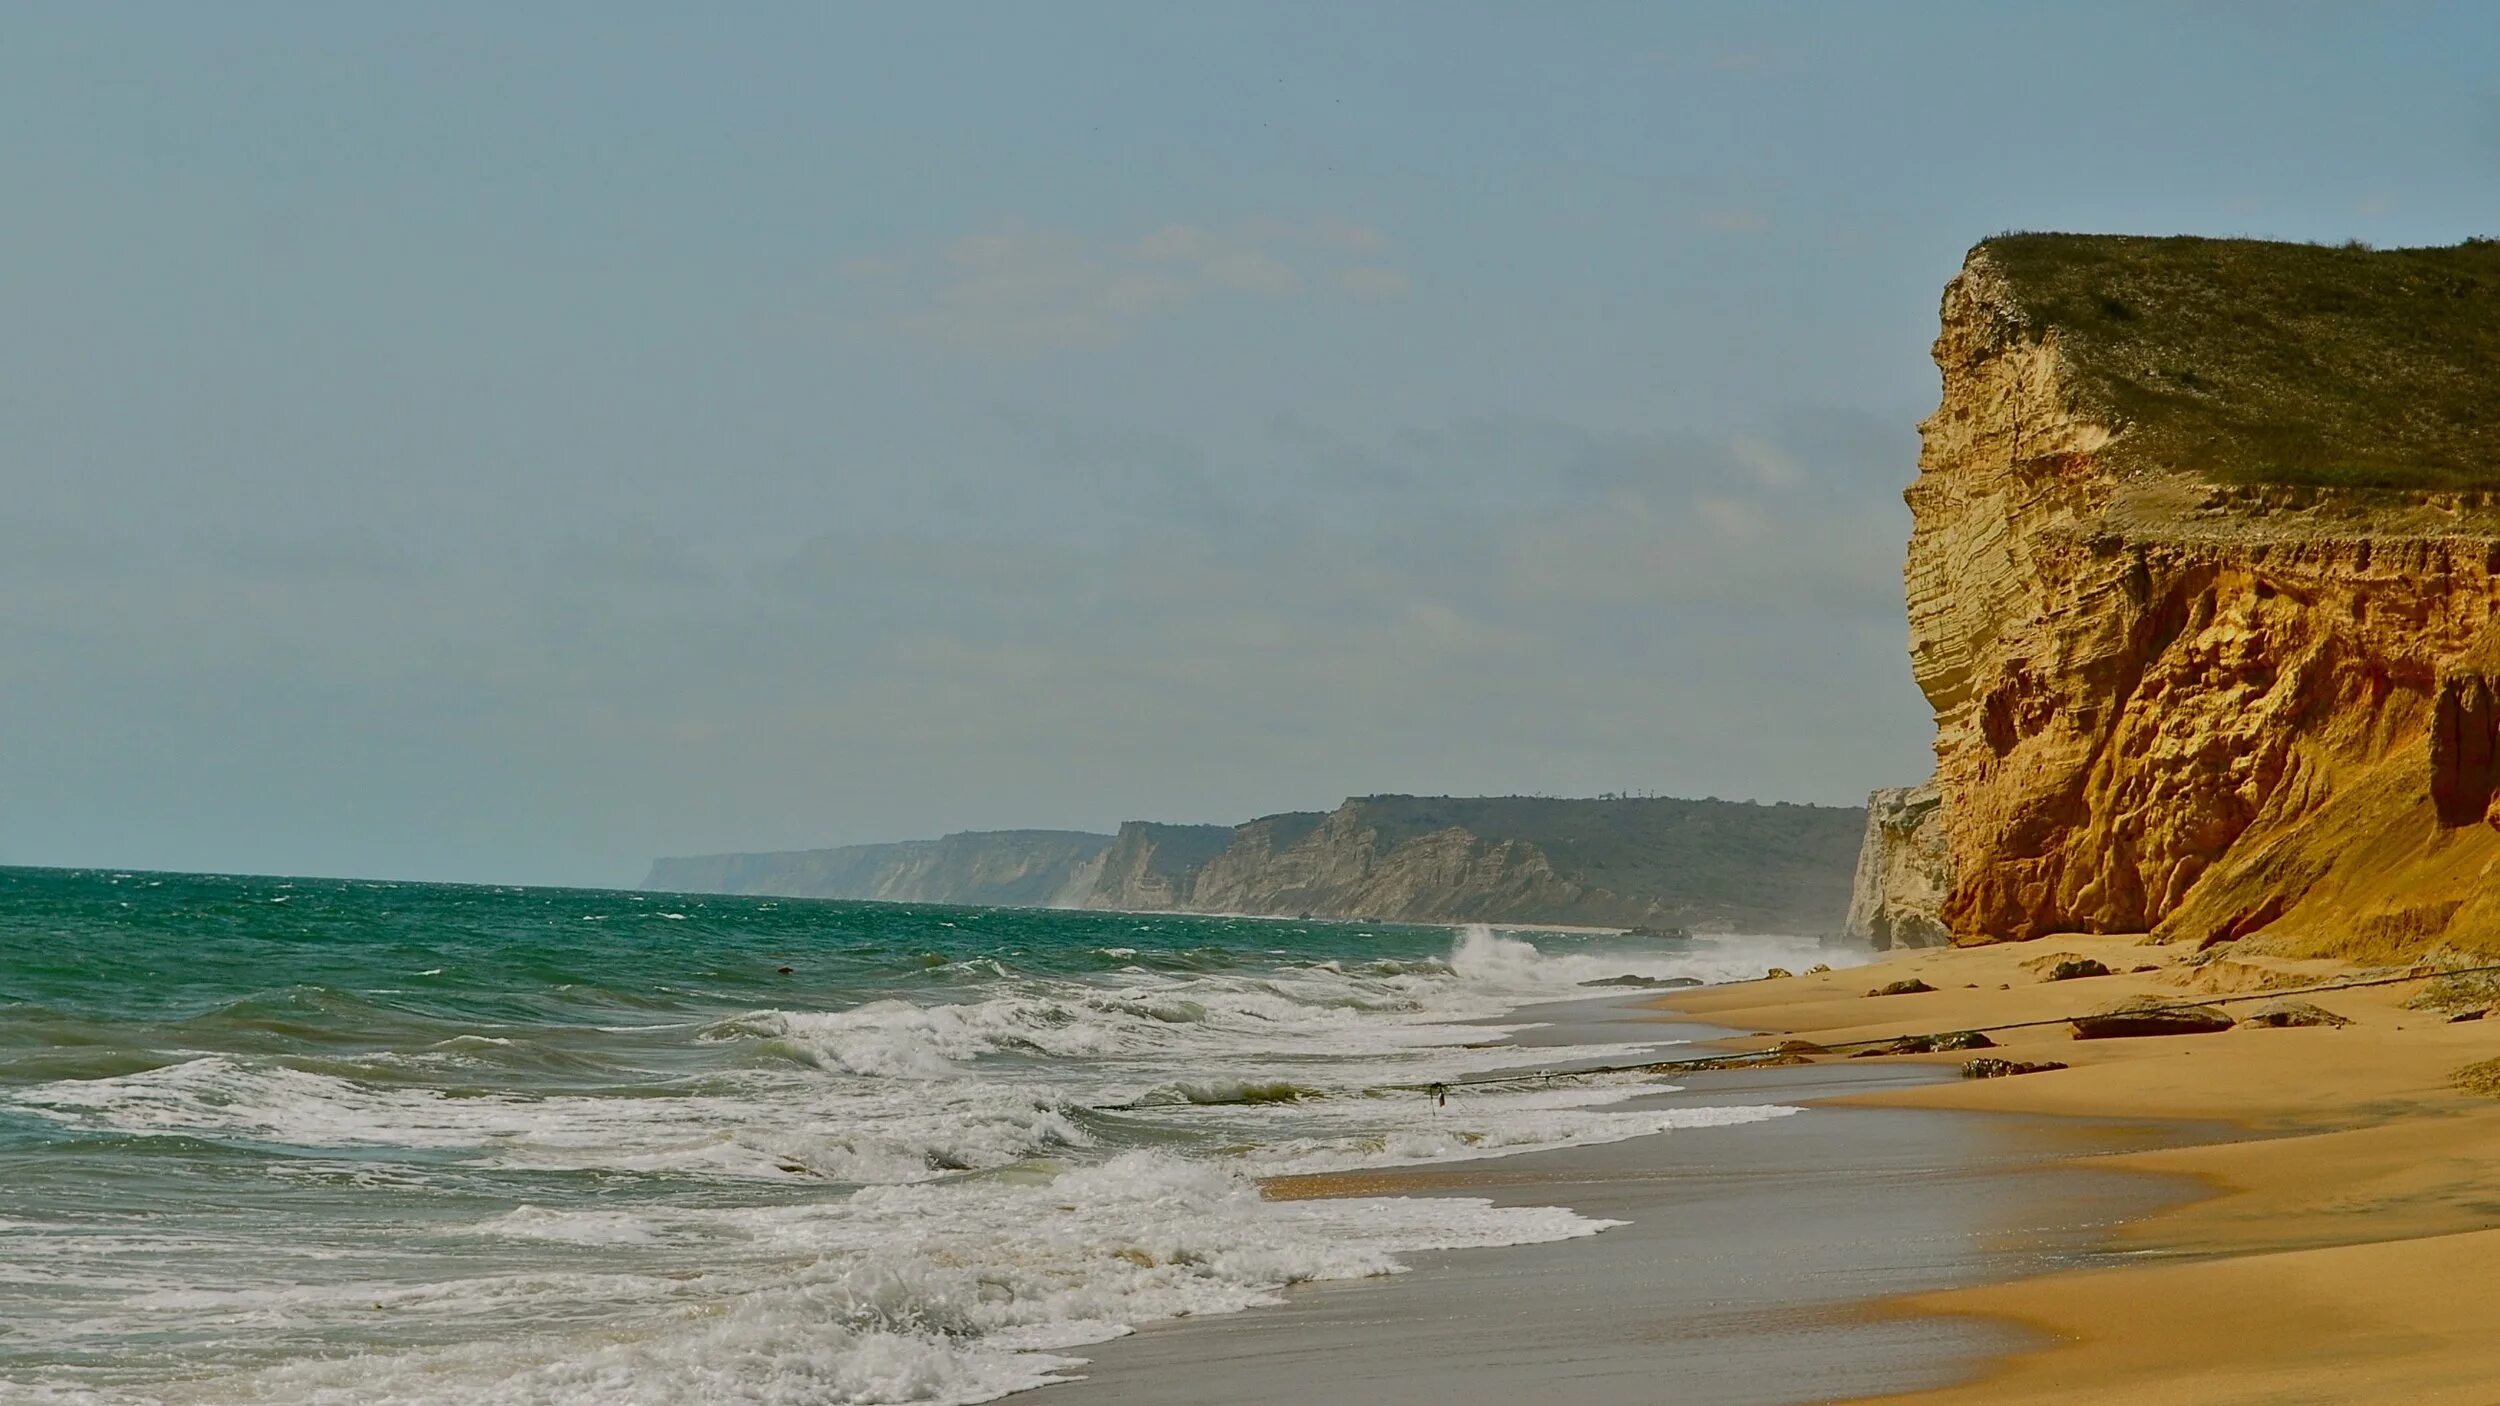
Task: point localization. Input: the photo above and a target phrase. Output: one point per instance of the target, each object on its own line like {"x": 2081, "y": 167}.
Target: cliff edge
{"x": 2201, "y": 582}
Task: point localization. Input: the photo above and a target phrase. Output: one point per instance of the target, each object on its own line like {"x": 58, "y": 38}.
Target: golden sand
{"x": 2351, "y": 1251}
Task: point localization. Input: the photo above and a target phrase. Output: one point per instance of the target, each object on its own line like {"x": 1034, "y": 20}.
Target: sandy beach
{"x": 1740, "y": 1277}
{"x": 2345, "y": 1249}
{"x": 2256, "y": 1215}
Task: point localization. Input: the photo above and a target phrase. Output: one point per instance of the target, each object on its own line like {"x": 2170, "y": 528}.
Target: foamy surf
{"x": 935, "y": 1179}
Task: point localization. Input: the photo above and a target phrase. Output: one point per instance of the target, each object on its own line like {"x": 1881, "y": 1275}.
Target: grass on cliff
{"x": 2245, "y": 361}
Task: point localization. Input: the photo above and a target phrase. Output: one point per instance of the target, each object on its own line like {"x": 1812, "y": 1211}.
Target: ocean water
{"x": 311, "y": 1141}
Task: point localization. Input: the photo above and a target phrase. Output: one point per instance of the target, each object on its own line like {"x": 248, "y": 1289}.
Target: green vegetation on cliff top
{"x": 2250, "y": 362}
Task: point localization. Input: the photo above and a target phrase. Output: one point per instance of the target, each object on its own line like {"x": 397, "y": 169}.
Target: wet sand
{"x": 1740, "y": 1279}
{"x": 2346, "y": 1250}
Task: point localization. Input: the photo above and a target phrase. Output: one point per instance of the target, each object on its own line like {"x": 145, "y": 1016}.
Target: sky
{"x": 508, "y": 443}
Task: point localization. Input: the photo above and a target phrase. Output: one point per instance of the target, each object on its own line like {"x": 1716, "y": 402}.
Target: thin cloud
{"x": 1019, "y": 289}
{"x": 1373, "y": 281}
{"x": 1736, "y": 219}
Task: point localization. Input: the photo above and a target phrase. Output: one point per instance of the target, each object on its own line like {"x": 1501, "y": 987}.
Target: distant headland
{"x": 1629, "y": 862}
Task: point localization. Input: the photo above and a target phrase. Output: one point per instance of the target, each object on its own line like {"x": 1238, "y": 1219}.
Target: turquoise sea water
{"x": 319, "y": 1140}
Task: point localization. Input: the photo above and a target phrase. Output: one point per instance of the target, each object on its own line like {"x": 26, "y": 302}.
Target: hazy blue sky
{"x": 509, "y": 442}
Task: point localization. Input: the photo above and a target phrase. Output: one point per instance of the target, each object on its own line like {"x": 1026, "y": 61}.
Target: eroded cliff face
{"x": 1904, "y": 872}
{"x": 2202, "y": 712}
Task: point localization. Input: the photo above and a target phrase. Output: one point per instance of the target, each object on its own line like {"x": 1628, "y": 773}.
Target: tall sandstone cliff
{"x": 2202, "y": 584}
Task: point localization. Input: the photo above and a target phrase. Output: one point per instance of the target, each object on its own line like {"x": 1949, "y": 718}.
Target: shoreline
{"x": 1746, "y": 1272}
{"x": 2351, "y": 1198}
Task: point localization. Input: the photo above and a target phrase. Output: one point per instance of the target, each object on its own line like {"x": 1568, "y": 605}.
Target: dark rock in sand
{"x": 1929, "y": 1044}
{"x": 2280, "y": 1014}
{"x": 1800, "y": 1047}
{"x": 2150, "y": 1017}
{"x": 2001, "y": 1068}
{"x": 1652, "y": 982}
{"x": 1910, "y": 987}
{"x": 1776, "y": 973}
{"x": 2075, "y": 967}
{"x": 2462, "y": 1016}
{"x": 2146, "y": 967}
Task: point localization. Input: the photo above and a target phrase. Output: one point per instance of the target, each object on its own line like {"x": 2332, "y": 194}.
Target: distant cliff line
{"x": 1705, "y": 865}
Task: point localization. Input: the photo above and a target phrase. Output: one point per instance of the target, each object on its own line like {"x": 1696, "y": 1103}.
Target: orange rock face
{"x": 2194, "y": 711}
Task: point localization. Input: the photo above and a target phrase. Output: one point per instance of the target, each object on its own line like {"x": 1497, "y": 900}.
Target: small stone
{"x": 1819, "y": 969}
{"x": 1911, "y": 987}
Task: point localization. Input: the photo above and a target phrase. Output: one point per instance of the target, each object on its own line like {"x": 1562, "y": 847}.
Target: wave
{"x": 936, "y": 1196}
{"x": 928, "y": 1295}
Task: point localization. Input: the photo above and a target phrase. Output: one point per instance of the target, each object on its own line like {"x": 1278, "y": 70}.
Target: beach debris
{"x": 2001, "y": 1068}
{"x": 1776, "y": 973}
{"x": 1930, "y": 1044}
{"x": 1909, "y": 987}
{"x": 1769, "y": 1059}
{"x": 1650, "y": 982}
{"x": 2281, "y": 1014}
{"x": 2145, "y": 1016}
{"x": 2481, "y": 1078}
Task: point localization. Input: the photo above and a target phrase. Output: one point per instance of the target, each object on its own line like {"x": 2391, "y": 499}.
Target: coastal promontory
{"x": 2202, "y": 582}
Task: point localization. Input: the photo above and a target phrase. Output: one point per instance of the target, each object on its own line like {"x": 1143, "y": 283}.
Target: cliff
{"x": 2201, "y": 590}
{"x": 1904, "y": 872}
{"x": 1720, "y": 865}
{"x": 977, "y": 868}
{"x": 1608, "y": 863}
{"x": 1153, "y": 868}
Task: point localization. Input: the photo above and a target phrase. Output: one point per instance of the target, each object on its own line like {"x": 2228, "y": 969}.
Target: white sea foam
{"x": 899, "y": 1294}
